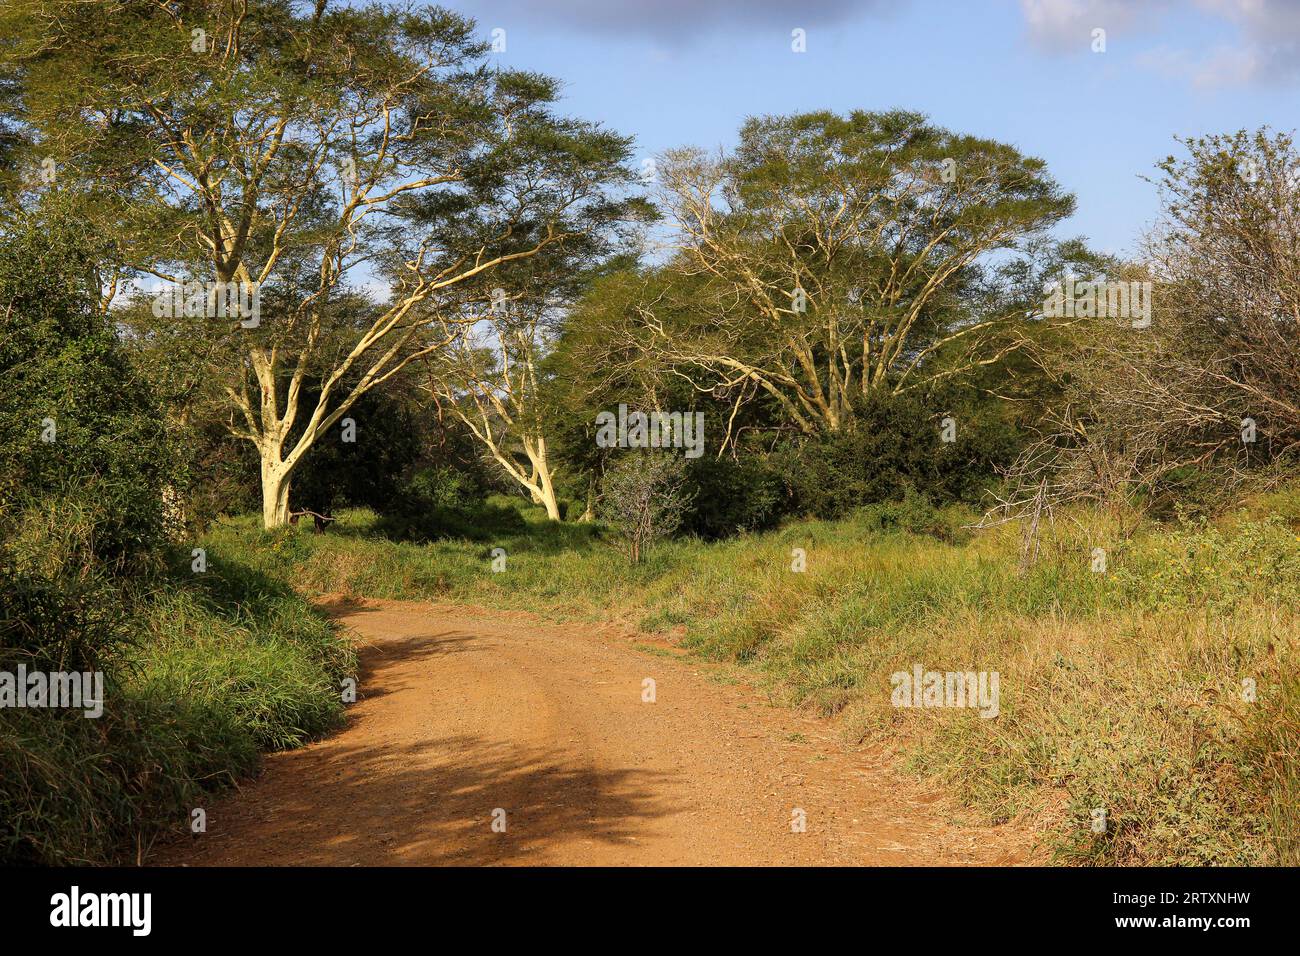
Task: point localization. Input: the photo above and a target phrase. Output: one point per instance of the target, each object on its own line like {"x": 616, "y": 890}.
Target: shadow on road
{"x": 359, "y": 798}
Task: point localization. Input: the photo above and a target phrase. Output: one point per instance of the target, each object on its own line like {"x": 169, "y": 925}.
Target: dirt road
{"x": 465, "y": 717}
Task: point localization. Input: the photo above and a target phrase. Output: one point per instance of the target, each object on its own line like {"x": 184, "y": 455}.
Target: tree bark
{"x": 275, "y": 489}
{"x": 543, "y": 489}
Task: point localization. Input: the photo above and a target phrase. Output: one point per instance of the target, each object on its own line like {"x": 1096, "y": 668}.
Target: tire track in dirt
{"x": 463, "y": 711}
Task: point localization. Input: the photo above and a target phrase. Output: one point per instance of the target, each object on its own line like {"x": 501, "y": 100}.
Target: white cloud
{"x": 1270, "y": 43}
{"x": 1060, "y": 26}
{"x": 1265, "y": 48}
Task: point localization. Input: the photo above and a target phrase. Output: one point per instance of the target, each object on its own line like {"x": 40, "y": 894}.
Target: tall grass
{"x": 221, "y": 667}
{"x": 1124, "y": 695}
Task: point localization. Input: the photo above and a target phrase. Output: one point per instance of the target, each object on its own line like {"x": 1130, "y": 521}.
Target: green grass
{"x": 1120, "y": 691}
{"x": 224, "y": 666}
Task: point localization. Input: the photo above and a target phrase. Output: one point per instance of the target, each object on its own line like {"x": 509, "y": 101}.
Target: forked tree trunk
{"x": 543, "y": 489}
{"x": 537, "y": 479}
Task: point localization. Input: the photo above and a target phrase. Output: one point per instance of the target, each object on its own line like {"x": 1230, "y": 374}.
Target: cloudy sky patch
{"x": 1247, "y": 41}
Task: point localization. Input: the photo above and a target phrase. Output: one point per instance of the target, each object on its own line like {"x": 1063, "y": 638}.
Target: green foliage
{"x": 446, "y": 502}
{"x": 445, "y": 487}
{"x": 729, "y": 497}
{"x": 365, "y": 472}
{"x": 1122, "y": 691}
{"x": 644, "y": 496}
{"x": 1199, "y": 565}
{"x": 895, "y": 447}
{"x": 915, "y": 514}
{"x": 58, "y": 621}
{"x": 83, "y": 461}
{"x": 79, "y": 432}
{"x": 76, "y": 791}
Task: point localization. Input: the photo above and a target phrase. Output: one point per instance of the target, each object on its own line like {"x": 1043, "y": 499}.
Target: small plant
{"x": 645, "y": 499}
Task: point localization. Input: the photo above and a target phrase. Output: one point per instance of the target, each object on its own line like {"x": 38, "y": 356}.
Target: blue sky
{"x": 677, "y": 72}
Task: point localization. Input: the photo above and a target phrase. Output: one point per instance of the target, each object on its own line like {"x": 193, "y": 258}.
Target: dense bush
{"x": 58, "y": 622}
{"x": 81, "y": 437}
{"x": 84, "y": 455}
{"x": 895, "y": 446}
{"x": 363, "y": 472}
{"x": 443, "y": 487}
{"x": 729, "y": 496}
{"x": 915, "y": 514}
{"x": 446, "y": 502}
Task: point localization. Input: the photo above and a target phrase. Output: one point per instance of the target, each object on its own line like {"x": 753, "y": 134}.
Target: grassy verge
{"x": 221, "y": 667}
{"x": 1126, "y": 693}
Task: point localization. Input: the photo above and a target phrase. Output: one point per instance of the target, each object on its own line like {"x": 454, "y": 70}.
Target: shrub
{"x": 79, "y": 432}
{"x": 893, "y": 446}
{"x": 83, "y": 459}
{"x": 444, "y": 487}
{"x": 1199, "y": 565}
{"x": 916, "y": 514}
{"x": 730, "y": 497}
{"x": 445, "y": 502}
{"x": 363, "y": 472}
{"x": 645, "y": 498}
{"x": 59, "y": 622}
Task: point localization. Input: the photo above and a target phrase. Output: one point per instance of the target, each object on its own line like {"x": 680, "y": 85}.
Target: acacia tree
{"x": 493, "y": 374}
{"x": 593, "y": 367}
{"x": 831, "y": 256}
{"x": 300, "y": 149}
{"x": 488, "y": 377}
